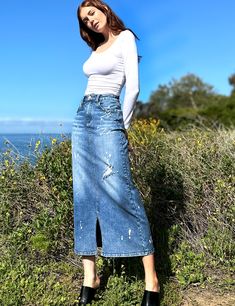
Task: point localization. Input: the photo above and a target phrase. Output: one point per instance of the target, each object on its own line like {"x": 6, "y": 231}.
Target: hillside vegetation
{"x": 187, "y": 181}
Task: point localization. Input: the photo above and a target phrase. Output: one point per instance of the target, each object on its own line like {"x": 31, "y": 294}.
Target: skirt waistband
{"x": 98, "y": 97}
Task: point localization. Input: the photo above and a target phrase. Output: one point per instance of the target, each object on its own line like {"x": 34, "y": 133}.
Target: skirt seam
{"x": 131, "y": 198}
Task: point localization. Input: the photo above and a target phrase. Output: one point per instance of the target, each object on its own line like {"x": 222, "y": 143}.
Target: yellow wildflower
{"x": 53, "y": 141}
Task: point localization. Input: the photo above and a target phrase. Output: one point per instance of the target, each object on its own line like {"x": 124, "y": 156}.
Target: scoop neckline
{"x": 109, "y": 46}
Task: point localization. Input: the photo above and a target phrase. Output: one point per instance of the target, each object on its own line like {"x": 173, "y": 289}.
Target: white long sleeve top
{"x": 108, "y": 71}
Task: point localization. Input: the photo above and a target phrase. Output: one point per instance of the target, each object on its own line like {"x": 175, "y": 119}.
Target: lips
{"x": 96, "y": 25}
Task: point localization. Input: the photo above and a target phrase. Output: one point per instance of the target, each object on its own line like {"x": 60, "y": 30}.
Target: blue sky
{"x": 41, "y": 53}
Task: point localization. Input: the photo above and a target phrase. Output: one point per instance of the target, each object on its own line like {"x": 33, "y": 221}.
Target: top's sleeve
{"x": 130, "y": 57}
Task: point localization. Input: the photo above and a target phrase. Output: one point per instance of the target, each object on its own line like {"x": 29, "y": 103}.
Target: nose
{"x": 92, "y": 22}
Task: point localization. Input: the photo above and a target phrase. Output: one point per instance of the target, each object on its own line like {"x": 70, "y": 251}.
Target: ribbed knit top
{"x": 108, "y": 71}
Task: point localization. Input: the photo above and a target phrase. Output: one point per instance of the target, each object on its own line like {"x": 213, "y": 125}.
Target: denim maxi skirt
{"x": 103, "y": 189}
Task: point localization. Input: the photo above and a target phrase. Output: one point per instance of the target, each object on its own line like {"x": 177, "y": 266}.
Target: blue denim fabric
{"x": 103, "y": 188}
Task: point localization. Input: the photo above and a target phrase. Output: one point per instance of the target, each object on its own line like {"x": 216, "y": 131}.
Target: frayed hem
{"x": 133, "y": 254}
{"x": 94, "y": 253}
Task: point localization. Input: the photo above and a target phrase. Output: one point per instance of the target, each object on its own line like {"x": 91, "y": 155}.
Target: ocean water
{"x": 23, "y": 145}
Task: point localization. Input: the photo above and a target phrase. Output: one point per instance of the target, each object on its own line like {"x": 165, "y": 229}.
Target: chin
{"x": 100, "y": 30}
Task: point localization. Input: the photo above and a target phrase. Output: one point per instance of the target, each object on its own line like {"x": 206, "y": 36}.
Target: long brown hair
{"x": 92, "y": 38}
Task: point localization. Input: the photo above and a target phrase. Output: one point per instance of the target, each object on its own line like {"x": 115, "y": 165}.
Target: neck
{"x": 107, "y": 33}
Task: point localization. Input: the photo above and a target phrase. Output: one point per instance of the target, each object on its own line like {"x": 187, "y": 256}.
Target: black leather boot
{"x": 151, "y": 298}
{"x": 86, "y": 295}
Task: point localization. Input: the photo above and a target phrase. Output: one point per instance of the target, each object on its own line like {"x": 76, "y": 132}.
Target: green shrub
{"x": 27, "y": 283}
{"x": 121, "y": 291}
{"x": 188, "y": 266}
{"x": 187, "y": 182}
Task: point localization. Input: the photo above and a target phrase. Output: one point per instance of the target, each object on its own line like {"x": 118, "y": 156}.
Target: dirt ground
{"x": 199, "y": 297}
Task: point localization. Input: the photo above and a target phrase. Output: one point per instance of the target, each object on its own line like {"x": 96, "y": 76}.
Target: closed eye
{"x": 91, "y": 13}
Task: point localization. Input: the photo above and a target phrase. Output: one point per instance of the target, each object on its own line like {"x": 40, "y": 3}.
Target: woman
{"x": 102, "y": 183}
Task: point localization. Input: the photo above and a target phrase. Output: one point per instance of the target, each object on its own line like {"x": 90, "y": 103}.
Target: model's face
{"x": 93, "y": 18}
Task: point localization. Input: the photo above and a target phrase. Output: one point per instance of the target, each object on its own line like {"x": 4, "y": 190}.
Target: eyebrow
{"x": 86, "y": 17}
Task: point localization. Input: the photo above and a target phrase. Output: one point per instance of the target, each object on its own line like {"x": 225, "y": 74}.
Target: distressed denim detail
{"x": 103, "y": 188}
